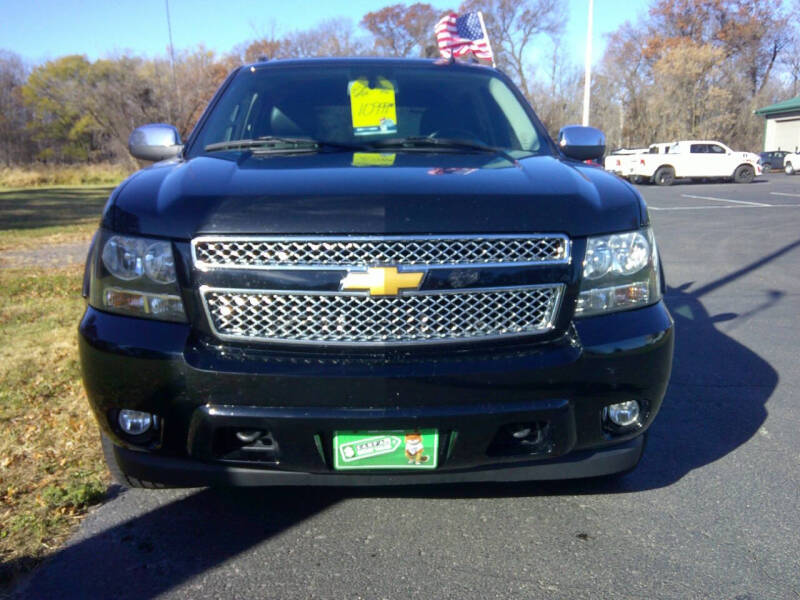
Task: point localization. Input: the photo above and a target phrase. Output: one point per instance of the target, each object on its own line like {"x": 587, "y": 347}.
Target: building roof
{"x": 790, "y": 105}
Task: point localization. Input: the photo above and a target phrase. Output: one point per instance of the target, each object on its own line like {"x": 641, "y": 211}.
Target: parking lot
{"x": 712, "y": 511}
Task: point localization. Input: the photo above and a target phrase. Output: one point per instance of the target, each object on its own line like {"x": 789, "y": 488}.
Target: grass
{"x": 50, "y": 175}
{"x": 51, "y": 466}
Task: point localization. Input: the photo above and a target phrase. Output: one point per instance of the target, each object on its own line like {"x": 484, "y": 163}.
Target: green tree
{"x": 60, "y": 126}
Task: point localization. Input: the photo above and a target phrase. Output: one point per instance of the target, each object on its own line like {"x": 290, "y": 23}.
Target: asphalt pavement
{"x": 713, "y": 511}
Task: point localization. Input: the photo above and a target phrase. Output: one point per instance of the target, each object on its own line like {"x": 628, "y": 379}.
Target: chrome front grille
{"x": 218, "y": 252}
{"x": 354, "y": 318}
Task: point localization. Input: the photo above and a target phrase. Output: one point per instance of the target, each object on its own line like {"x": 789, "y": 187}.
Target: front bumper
{"x": 203, "y": 391}
{"x": 183, "y": 472}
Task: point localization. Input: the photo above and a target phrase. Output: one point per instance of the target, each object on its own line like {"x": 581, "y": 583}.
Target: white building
{"x": 782, "y": 129}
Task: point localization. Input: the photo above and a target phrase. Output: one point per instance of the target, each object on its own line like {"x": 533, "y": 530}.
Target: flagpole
{"x": 486, "y": 35}
{"x": 587, "y": 83}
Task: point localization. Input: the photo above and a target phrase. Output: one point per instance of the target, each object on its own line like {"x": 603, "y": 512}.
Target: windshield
{"x": 367, "y": 105}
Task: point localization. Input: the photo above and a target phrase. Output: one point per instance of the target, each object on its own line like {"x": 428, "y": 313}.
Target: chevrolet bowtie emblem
{"x": 382, "y": 281}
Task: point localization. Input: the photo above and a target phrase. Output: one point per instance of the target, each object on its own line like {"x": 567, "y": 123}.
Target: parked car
{"x": 791, "y": 163}
{"x": 697, "y": 159}
{"x": 772, "y": 160}
{"x": 372, "y": 271}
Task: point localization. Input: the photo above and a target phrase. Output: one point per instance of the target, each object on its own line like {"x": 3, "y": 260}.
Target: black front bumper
{"x": 202, "y": 392}
{"x": 184, "y": 472}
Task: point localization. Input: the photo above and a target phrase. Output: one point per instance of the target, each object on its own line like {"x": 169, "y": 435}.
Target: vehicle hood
{"x": 365, "y": 193}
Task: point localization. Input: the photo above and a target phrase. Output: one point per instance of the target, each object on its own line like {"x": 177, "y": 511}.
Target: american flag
{"x": 460, "y": 35}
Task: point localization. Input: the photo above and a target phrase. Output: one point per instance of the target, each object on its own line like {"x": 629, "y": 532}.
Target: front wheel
{"x": 744, "y": 174}
{"x": 788, "y": 168}
{"x": 117, "y": 474}
{"x": 664, "y": 176}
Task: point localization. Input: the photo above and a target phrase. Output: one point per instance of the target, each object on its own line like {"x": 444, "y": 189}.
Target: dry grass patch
{"x": 26, "y": 239}
{"x": 51, "y": 466}
{"x": 45, "y": 175}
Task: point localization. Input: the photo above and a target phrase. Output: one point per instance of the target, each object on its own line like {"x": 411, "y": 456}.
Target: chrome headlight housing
{"x": 620, "y": 272}
{"x": 135, "y": 276}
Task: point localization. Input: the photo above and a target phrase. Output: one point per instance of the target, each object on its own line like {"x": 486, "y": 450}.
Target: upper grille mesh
{"x": 244, "y": 253}
{"x": 361, "y": 319}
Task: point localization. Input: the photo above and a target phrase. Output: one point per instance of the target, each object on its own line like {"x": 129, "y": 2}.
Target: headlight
{"x": 620, "y": 272}
{"x": 136, "y": 276}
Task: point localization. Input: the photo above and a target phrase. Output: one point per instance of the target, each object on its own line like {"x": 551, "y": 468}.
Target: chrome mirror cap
{"x": 582, "y": 143}
{"x": 157, "y": 141}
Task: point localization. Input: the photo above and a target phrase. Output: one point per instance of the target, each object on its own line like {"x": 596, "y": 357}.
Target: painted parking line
{"x": 724, "y": 200}
{"x": 731, "y": 204}
{"x": 785, "y": 194}
{"x": 712, "y": 207}
{"x": 718, "y": 206}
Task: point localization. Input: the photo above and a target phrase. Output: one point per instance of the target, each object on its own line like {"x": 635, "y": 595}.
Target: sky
{"x": 40, "y": 30}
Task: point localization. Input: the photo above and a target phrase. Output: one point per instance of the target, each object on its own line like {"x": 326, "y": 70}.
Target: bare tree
{"x": 557, "y": 98}
{"x": 402, "y": 30}
{"x": 696, "y": 68}
{"x": 514, "y": 26}
{"x": 332, "y": 37}
{"x": 15, "y": 143}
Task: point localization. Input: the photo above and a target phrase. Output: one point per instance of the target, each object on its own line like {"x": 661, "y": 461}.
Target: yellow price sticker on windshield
{"x": 373, "y": 110}
{"x": 373, "y": 159}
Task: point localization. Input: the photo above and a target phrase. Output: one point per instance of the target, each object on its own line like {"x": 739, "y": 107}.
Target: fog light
{"x": 248, "y": 436}
{"x": 623, "y": 414}
{"x": 134, "y": 422}
{"x": 522, "y": 433}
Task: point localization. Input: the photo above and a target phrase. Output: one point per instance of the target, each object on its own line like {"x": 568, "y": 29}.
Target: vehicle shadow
{"x": 703, "y": 181}
{"x": 153, "y": 552}
{"x": 53, "y": 206}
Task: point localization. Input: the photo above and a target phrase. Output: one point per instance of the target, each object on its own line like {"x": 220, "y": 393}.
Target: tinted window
{"x": 315, "y": 101}
{"x": 698, "y": 149}
{"x": 714, "y": 149}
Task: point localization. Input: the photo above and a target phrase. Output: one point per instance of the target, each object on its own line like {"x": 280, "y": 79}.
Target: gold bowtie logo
{"x": 382, "y": 281}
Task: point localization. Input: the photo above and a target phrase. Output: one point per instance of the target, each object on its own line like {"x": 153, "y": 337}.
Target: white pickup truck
{"x": 619, "y": 161}
{"x": 696, "y": 159}
{"x": 791, "y": 163}
{"x": 623, "y": 162}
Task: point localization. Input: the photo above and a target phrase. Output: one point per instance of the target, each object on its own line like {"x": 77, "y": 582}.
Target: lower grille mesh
{"x": 360, "y": 319}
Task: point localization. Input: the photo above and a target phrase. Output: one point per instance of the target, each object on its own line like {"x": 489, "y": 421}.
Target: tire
{"x": 664, "y": 176}
{"x": 788, "y": 168}
{"x": 744, "y": 174}
{"x": 766, "y": 168}
{"x": 117, "y": 474}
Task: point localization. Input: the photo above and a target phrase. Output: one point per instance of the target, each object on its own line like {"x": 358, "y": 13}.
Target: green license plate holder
{"x": 393, "y": 449}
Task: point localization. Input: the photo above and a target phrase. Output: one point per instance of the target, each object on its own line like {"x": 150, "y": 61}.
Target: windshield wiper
{"x": 432, "y": 142}
{"x": 277, "y": 143}
{"x": 267, "y": 141}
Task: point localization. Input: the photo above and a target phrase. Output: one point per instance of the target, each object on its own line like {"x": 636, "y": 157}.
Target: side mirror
{"x": 156, "y": 141}
{"x": 582, "y": 143}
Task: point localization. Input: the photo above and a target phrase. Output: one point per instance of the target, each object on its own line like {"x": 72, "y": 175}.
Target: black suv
{"x": 372, "y": 271}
